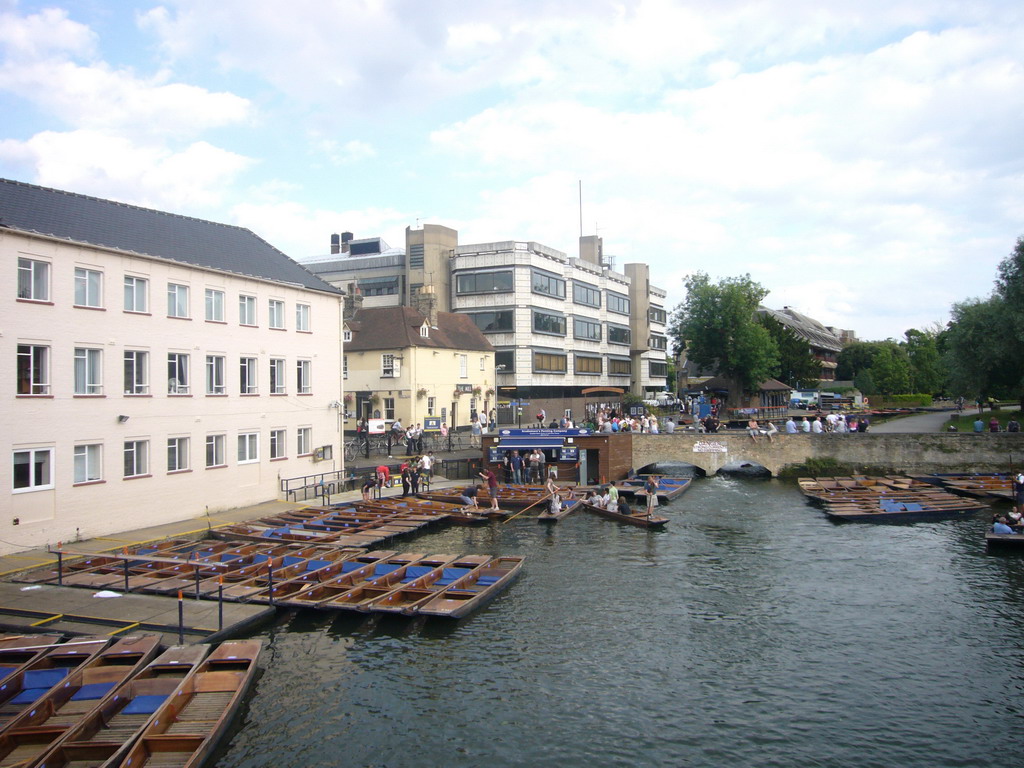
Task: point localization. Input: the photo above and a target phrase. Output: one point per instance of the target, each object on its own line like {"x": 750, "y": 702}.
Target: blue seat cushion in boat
{"x": 5, "y": 671}
{"x": 382, "y": 569}
{"x": 486, "y": 581}
{"x": 349, "y": 566}
{"x": 291, "y": 560}
{"x": 28, "y": 695}
{"x": 92, "y": 691}
{"x": 144, "y": 705}
{"x": 43, "y": 678}
{"x": 315, "y": 565}
{"x": 414, "y": 572}
{"x": 449, "y": 575}
{"x": 912, "y": 506}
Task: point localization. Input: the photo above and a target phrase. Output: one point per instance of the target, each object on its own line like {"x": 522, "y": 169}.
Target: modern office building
{"x": 157, "y": 366}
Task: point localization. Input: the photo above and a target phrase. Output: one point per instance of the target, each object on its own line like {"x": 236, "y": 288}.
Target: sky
{"x": 863, "y": 162}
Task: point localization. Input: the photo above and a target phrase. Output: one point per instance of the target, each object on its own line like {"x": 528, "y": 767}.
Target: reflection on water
{"x": 751, "y": 631}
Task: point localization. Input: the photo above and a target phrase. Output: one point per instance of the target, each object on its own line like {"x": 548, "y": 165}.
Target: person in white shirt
{"x": 816, "y": 427}
{"x": 790, "y": 426}
{"x": 805, "y": 425}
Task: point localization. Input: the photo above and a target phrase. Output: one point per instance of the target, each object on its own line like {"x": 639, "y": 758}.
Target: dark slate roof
{"x": 399, "y": 327}
{"x": 123, "y": 227}
{"x": 723, "y": 383}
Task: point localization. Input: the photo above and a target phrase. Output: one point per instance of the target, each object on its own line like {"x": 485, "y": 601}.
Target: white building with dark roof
{"x": 824, "y": 343}
{"x": 158, "y": 366}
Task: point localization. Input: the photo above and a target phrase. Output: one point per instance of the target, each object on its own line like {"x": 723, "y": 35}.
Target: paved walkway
{"x": 926, "y": 422}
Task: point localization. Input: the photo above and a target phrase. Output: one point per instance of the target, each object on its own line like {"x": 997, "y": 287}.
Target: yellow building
{"x": 402, "y": 364}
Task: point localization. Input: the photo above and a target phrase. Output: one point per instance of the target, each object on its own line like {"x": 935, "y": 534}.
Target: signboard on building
{"x": 710, "y": 446}
{"x": 432, "y": 424}
{"x": 375, "y": 426}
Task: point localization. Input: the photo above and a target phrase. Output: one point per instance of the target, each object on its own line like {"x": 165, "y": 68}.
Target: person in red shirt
{"x": 383, "y": 476}
{"x": 492, "y": 486}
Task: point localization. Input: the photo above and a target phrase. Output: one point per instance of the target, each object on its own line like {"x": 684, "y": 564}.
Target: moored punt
{"x": 1004, "y": 540}
{"x": 102, "y": 735}
{"x": 564, "y": 508}
{"x": 75, "y": 564}
{"x": 35, "y": 730}
{"x": 669, "y": 488}
{"x": 186, "y": 727}
{"x": 290, "y": 568}
{"x": 637, "y": 518}
{"x": 457, "y": 514}
{"x": 283, "y": 591}
{"x": 18, "y": 650}
{"x": 21, "y": 689}
{"x": 885, "y": 499}
{"x": 422, "y": 582}
{"x": 899, "y": 511}
{"x": 474, "y": 590}
{"x": 380, "y": 582}
{"x": 357, "y": 571}
{"x": 297, "y": 534}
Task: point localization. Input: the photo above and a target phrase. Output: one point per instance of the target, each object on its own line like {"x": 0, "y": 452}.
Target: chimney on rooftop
{"x": 346, "y": 238}
{"x": 335, "y": 244}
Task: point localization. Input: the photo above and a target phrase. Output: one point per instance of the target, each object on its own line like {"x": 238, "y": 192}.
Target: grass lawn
{"x": 965, "y": 422}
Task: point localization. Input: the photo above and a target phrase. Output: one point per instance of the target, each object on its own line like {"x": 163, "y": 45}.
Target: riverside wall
{"x": 906, "y": 453}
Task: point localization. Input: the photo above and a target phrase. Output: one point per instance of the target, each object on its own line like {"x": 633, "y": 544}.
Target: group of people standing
{"x": 528, "y": 468}
{"x": 413, "y": 474}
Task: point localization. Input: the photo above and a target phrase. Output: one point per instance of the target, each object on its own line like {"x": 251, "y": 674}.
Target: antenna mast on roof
{"x": 581, "y": 207}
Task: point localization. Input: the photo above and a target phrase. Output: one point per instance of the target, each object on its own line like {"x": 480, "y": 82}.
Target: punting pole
{"x": 220, "y": 603}
{"x": 517, "y": 514}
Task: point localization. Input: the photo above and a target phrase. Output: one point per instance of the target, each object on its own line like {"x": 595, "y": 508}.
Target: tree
{"x": 926, "y": 372}
{"x": 716, "y": 324}
{"x": 891, "y": 369}
{"x": 855, "y": 358}
{"x": 976, "y": 349}
{"x": 796, "y": 363}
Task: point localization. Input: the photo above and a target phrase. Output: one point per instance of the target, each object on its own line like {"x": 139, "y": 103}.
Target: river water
{"x": 752, "y": 631}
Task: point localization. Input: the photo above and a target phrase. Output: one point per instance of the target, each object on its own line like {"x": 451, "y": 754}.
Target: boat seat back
{"x": 414, "y": 572}
{"x": 43, "y": 678}
{"x": 450, "y": 575}
{"x": 92, "y": 691}
{"x": 382, "y": 569}
{"x": 316, "y": 565}
{"x": 144, "y": 705}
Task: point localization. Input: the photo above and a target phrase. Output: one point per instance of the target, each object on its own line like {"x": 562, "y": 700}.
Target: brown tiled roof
{"x": 399, "y": 327}
{"x": 721, "y": 382}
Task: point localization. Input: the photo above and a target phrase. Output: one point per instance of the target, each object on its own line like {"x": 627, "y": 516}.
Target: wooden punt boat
{"x": 669, "y": 488}
{"x": 295, "y": 534}
{"x": 35, "y": 730}
{"x": 885, "y": 499}
{"x": 290, "y": 568}
{"x": 637, "y": 518}
{"x": 262, "y": 563}
{"x": 415, "y": 589}
{"x": 900, "y": 511}
{"x": 104, "y": 734}
{"x": 379, "y": 582}
{"x": 186, "y": 727}
{"x": 457, "y": 514}
{"x": 474, "y": 590}
{"x": 510, "y": 497}
{"x": 565, "y": 508}
{"x": 73, "y": 564}
{"x": 283, "y": 591}
{"x": 23, "y": 688}
{"x": 1004, "y": 540}
{"x": 18, "y": 650}
{"x": 360, "y": 570}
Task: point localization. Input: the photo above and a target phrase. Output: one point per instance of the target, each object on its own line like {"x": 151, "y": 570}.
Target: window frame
{"x": 615, "y": 332}
{"x": 33, "y": 465}
{"x": 617, "y": 303}
{"x": 32, "y": 370}
{"x": 216, "y": 369}
{"x": 178, "y": 448}
{"x": 626, "y": 367}
{"x": 275, "y": 314}
{"x": 547, "y": 284}
{"x": 213, "y": 305}
{"x": 138, "y": 452}
{"x": 218, "y": 443}
{"x": 504, "y": 320}
{"x": 139, "y": 365}
{"x": 251, "y": 443}
{"x": 137, "y": 288}
{"x": 182, "y": 365}
{"x": 87, "y": 465}
{"x": 247, "y": 310}
{"x": 248, "y": 375}
{"x": 303, "y": 317}
{"x": 581, "y": 370}
{"x": 92, "y": 371}
{"x": 278, "y": 376}
{"x": 553, "y": 318}
{"x": 484, "y": 282}
{"x": 178, "y": 300}
{"x": 304, "y": 441}
{"x": 390, "y": 368}
{"x": 86, "y": 287}
{"x": 586, "y": 322}
{"x": 463, "y": 366}
{"x": 278, "y": 444}
{"x": 546, "y": 357}
{"x": 581, "y": 292}
{"x": 38, "y": 272}
{"x": 304, "y": 377}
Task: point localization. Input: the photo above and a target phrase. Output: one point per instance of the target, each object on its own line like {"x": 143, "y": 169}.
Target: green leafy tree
{"x": 856, "y": 358}
{"x": 926, "y": 370}
{"x": 716, "y": 324}
{"x": 796, "y": 363}
{"x": 891, "y": 369}
{"x": 975, "y": 348}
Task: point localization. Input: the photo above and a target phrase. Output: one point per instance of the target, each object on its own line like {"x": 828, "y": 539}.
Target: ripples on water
{"x": 752, "y": 631}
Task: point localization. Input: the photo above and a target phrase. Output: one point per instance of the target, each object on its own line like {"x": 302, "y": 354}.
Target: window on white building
{"x": 463, "y": 366}
{"x": 214, "y": 305}
{"x": 215, "y": 451}
{"x": 33, "y": 373}
{"x": 302, "y": 317}
{"x": 247, "y": 310}
{"x": 247, "y": 376}
{"x": 304, "y": 441}
{"x": 248, "y": 447}
{"x": 136, "y": 373}
{"x": 88, "y": 372}
{"x": 88, "y": 463}
{"x": 33, "y": 280}
{"x": 389, "y": 408}
{"x": 389, "y": 366}
{"x": 177, "y": 300}
{"x": 136, "y": 458}
{"x": 275, "y": 313}
{"x": 136, "y": 290}
{"x": 277, "y": 376}
{"x": 177, "y": 373}
{"x": 304, "y": 381}
{"x": 277, "y": 444}
{"x": 215, "y": 375}
{"x": 177, "y": 454}
{"x": 33, "y": 470}
{"x": 431, "y": 405}
{"x": 88, "y": 287}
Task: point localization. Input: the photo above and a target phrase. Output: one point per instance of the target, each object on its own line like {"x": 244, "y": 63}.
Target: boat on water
{"x": 669, "y": 488}
{"x": 1004, "y": 541}
{"x": 186, "y": 727}
{"x": 510, "y": 497}
{"x": 636, "y": 517}
{"x": 421, "y": 582}
{"x": 382, "y": 581}
{"x": 565, "y": 508}
{"x": 106, "y": 732}
{"x": 885, "y": 499}
{"x": 455, "y": 513}
{"x": 473, "y": 591}
{"x": 21, "y": 689}
{"x": 355, "y": 572}
{"x": 992, "y": 485}
{"x": 18, "y": 650}
{"x": 35, "y": 730}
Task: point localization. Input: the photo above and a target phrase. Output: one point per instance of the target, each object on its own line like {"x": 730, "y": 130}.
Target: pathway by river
{"x": 751, "y": 632}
